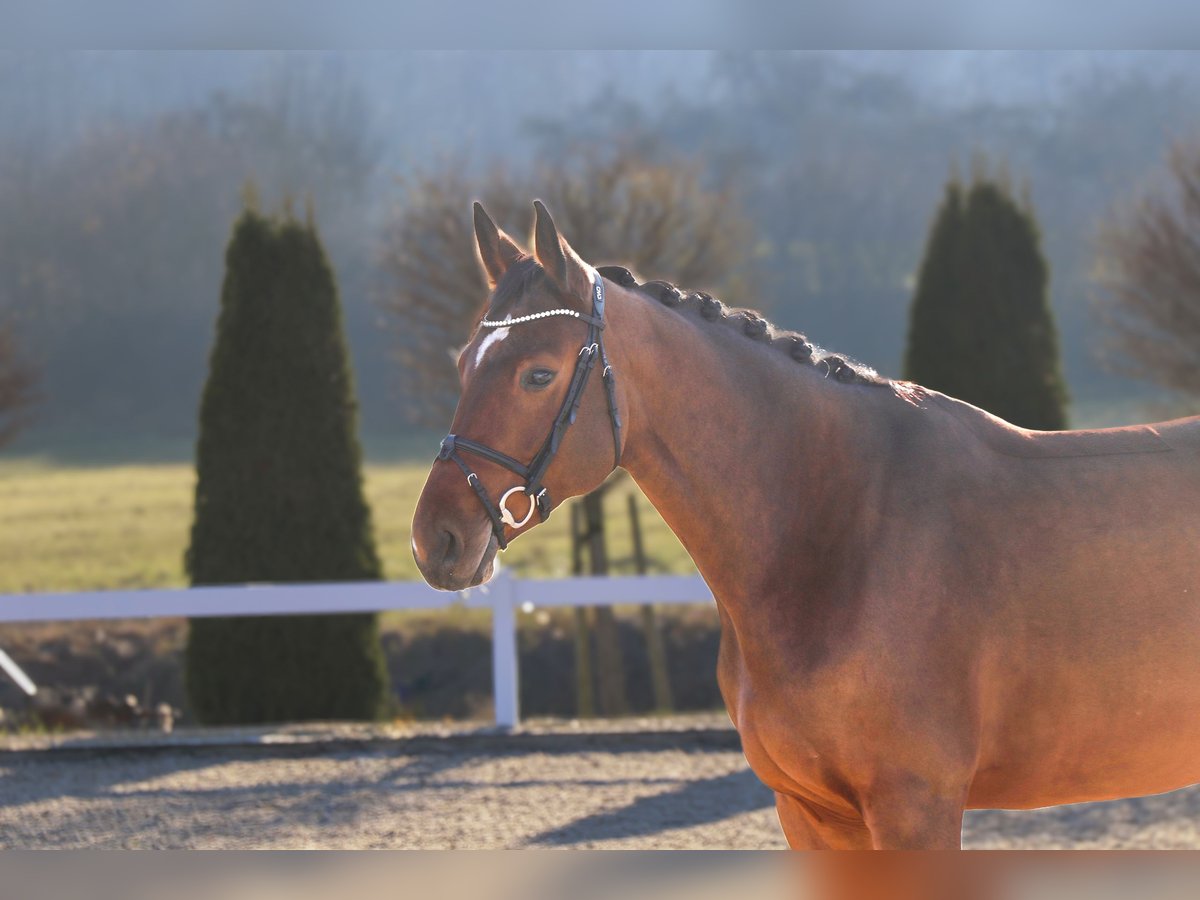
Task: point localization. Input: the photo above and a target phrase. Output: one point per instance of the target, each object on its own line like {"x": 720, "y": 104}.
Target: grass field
{"x": 66, "y": 528}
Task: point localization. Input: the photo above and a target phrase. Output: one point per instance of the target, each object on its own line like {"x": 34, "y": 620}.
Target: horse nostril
{"x": 453, "y": 549}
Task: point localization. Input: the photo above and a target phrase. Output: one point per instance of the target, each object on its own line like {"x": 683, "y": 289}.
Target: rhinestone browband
{"x": 488, "y": 323}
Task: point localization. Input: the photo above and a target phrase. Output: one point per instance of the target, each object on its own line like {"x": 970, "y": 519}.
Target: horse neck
{"x": 750, "y": 457}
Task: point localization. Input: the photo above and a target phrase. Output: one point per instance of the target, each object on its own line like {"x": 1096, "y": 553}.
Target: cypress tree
{"x": 279, "y": 494}
{"x": 981, "y": 328}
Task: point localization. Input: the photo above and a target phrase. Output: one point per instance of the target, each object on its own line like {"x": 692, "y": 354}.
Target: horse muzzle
{"x": 453, "y": 551}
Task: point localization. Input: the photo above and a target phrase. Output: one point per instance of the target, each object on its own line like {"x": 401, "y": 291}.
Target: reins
{"x": 535, "y": 471}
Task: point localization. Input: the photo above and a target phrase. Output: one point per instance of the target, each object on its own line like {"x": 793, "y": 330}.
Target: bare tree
{"x": 660, "y": 220}
{"x": 1149, "y": 268}
{"x": 16, "y": 386}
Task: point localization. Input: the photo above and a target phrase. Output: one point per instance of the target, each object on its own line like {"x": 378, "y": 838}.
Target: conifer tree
{"x": 981, "y": 327}
{"x": 279, "y": 494}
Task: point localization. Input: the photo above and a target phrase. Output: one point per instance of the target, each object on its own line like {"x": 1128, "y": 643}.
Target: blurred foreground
{"x": 627, "y": 876}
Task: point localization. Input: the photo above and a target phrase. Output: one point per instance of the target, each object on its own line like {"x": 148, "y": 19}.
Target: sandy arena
{"x": 615, "y": 785}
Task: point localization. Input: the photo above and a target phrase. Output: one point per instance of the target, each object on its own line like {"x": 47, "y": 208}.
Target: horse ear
{"x": 497, "y": 251}
{"x": 555, "y": 255}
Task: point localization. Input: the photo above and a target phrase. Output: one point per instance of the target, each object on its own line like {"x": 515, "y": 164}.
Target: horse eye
{"x": 536, "y": 379}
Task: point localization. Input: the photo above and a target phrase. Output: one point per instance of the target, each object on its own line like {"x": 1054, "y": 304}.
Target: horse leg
{"x": 807, "y": 828}
{"x": 910, "y": 813}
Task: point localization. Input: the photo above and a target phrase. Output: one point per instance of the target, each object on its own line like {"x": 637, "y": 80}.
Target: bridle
{"x": 539, "y": 497}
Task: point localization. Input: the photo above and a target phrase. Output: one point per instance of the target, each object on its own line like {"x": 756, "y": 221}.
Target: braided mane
{"x": 752, "y": 325}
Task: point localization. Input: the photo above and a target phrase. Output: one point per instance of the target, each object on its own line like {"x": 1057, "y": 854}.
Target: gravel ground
{"x": 612, "y": 786}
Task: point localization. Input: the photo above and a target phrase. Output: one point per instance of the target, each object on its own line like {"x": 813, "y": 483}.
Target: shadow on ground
{"x": 696, "y": 803}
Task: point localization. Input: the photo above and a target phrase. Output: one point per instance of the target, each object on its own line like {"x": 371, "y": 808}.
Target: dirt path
{"x": 682, "y": 789}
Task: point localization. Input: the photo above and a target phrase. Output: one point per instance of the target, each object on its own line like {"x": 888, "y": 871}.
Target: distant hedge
{"x": 981, "y": 326}
{"x": 279, "y": 494}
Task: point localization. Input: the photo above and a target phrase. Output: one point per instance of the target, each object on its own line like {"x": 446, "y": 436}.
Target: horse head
{"x": 534, "y": 425}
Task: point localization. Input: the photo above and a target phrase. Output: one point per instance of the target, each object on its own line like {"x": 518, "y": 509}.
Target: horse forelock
{"x": 522, "y": 278}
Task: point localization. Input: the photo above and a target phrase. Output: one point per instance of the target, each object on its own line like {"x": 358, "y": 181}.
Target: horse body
{"x": 1094, "y": 619}
{"x": 1004, "y": 616}
{"x": 923, "y": 608}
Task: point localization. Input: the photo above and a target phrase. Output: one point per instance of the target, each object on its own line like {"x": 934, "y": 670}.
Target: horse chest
{"x": 790, "y": 759}
{"x": 786, "y": 732}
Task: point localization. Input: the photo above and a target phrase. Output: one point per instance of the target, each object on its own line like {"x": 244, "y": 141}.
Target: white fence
{"x": 503, "y": 595}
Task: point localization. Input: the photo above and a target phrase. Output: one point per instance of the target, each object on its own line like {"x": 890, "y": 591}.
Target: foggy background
{"x": 121, "y": 172}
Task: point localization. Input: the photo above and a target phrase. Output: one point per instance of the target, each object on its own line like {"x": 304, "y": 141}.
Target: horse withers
{"x": 923, "y": 608}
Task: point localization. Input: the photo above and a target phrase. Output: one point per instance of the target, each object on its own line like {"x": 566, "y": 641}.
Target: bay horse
{"x": 923, "y": 608}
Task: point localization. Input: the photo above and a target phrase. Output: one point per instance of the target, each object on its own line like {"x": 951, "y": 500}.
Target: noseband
{"x": 539, "y": 496}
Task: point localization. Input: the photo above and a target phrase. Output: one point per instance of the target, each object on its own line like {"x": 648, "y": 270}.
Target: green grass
{"x": 75, "y": 528}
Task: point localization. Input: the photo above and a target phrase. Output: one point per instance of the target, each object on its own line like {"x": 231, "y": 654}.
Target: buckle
{"x": 542, "y": 500}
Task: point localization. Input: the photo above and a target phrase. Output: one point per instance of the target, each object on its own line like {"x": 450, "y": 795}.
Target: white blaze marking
{"x": 494, "y": 337}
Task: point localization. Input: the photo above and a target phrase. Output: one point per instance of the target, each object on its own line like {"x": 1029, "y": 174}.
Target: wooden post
{"x": 585, "y": 696}
{"x": 609, "y": 664}
{"x": 656, "y": 653}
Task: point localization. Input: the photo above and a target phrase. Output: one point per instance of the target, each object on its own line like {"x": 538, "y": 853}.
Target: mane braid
{"x": 753, "y": 326}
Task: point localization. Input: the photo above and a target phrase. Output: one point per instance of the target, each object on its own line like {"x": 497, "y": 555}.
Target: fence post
{"x": 505, "y": 684}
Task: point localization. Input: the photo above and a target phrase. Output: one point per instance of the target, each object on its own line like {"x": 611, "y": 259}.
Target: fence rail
{"x": 503, "y": 595}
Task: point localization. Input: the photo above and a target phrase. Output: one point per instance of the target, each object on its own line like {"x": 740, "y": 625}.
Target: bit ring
{"x": 507, "y": 517}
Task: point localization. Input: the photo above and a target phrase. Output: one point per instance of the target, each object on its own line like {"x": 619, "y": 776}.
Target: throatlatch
{"x": 539, "y": 497}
